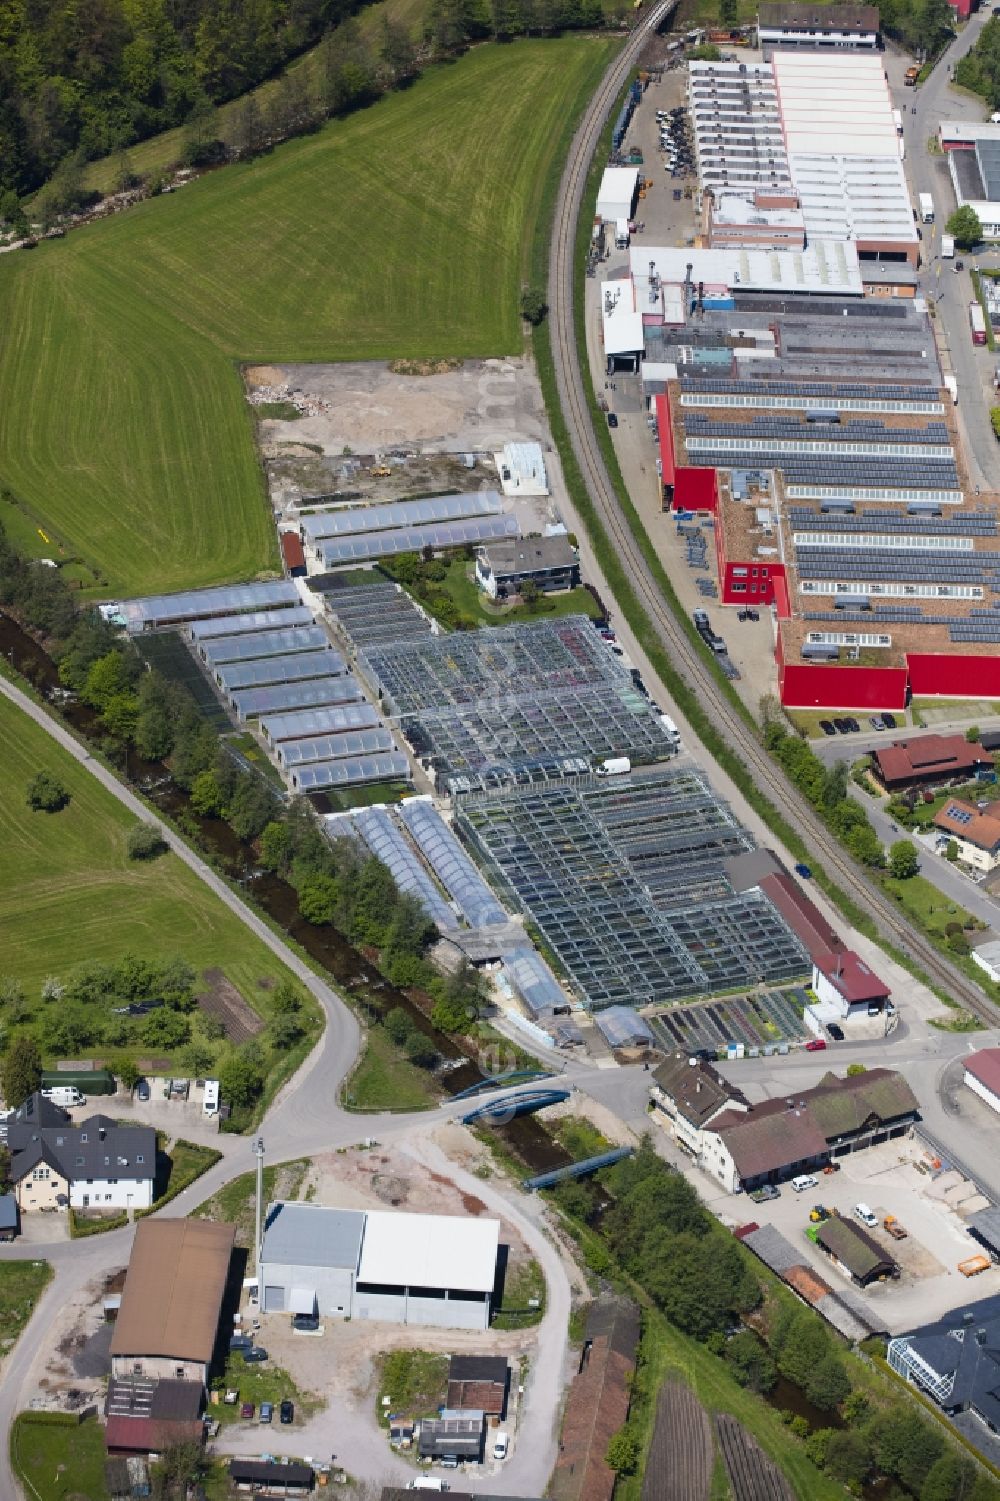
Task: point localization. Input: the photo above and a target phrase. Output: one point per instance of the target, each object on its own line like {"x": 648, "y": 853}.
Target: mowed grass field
{"x": 399, "y": 232}
{"x": 69, "y": 893}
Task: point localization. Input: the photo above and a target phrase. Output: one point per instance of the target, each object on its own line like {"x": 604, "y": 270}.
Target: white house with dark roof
{"x": 97, "y": 1164}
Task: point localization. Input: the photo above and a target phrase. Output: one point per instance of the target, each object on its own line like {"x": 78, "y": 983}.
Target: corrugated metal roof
{"x": 430, "y": 1250}
{"x": 289, "y": 669}
{"x": 191, "y": 603}
{"x": 173, "y": 1289}
{"x": 312, "y": 1235}
{"x": 254, "y": 620}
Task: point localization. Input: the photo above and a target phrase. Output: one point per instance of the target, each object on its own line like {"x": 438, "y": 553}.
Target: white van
{"x": 500, "y": 1445}
{"x": 804, "y": 1181}
{"x": 65, "y": 1095}
{"x": 864, "y": 1214}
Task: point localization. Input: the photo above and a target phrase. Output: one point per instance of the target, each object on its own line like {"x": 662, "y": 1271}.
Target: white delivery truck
{"x": 673, "y": 734}
{"x": 897, "y": 116}
{"x": 951, "y": 386}
{"x": 614, "y": 766}
{"x": 621, "y": 234}
{"x": 948, "y": 247}
{"x": 926, "y": 203}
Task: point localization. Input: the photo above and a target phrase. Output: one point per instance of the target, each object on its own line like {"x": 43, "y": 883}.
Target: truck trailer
{"x": 948, "y": 247}
{"x": 977, "y": 322}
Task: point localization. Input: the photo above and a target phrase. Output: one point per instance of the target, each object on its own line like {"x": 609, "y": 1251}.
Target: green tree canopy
{"x": 965, "y": 226}
{"x": 20, "y": 1070}
{"x": 903, "y": 860}
{"x": 46, "y": 794}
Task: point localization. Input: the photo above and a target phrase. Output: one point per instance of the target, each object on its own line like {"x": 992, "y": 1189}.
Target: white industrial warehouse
{"x": 429, "y": 1269}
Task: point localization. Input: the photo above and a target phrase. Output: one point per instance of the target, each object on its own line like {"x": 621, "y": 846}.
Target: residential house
{"x": 550, "y": 563}
{"x": 97, "y": 1164}
{"x": 687, "y": 1095}
{"x": 956, "y": 1362}
{"x": 817, "y": 28}
{"x": 793, "y": 1134}
{"x": 928, "y": 760}
{"x": 846, "y": 986}
{"x": 976, "y": 831}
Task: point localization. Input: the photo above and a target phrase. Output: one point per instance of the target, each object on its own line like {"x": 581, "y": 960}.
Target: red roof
{"x": 927, "y": 756}
{"x": 985, "y": 1066}
{"x": 149, "y": 1435}
{"x": 291, "y": 550}
{"x": 848, "y": 973}
{"x": 805, "y": 920}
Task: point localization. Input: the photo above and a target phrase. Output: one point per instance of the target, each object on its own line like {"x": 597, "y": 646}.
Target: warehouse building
{"x": 817, "y": 28}
{"x": 172, "y": 1301}
{"x": 973, "y": 152}
{"x": 435, "y": 1270}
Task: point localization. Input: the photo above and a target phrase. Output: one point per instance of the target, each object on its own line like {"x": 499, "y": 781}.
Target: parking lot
{"x": 895, "y": 1178}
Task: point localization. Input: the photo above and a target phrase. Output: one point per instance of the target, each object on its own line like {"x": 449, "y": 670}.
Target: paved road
{"x": 933, "y": 102}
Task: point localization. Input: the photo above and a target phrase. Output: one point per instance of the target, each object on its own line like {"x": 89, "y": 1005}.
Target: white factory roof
{"x": 853, "y": 197}
{"x": 429, "y": 1250}
{"x": 837, "y": 105}
{"x": 734, "y": 208}
{"x": 621, "y": 318}
{"x": 969, "y": 130}
{"x": 823, "y": 266}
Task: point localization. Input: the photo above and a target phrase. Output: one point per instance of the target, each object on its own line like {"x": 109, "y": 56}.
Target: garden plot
{"x": 765, "y": 1021}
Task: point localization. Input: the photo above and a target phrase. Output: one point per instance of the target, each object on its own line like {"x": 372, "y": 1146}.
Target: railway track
{"x": 688, "y": 662}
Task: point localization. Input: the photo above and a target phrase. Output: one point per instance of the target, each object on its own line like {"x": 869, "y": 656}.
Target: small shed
{"x": 268, "y": 1477}
{"x": 478, "y": 1382}
{"x": 454, "y": 1435}
{"x": 293, "y": 554}
{"x": 9, "y": 1224}
{"x": 854, "y": 1251}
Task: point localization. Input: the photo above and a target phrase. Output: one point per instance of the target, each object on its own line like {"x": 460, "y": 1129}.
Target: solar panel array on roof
{"x": 306, "y": 723}
{"x": 695, "y": 382}
{"x": 413, "y": 539}
{"x": 283, "y": 696}
{"x": 258, "y": 620}
{"x": 868, "y": 469}
{"x": 351, "y": 771}
{"x": 263, "y": 644}
{"x": 920, "y": 567}
{"x": 387, "y": 842}
{"x": 351, "y": 521}
{"x": 231, "y": 599}
{"x": 452, "y": 865}
{"x": 932, "y": 434}
{"x": 334, "y": 747}
{"x": 922, "y": 523}
{"x": 231, "y": 676}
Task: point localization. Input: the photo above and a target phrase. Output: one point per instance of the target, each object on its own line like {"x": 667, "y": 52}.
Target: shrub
{"x": 46, "y": 794}
{"x": 144, "y": 842}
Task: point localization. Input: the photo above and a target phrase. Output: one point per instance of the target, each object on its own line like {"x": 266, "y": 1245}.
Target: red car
{"x": 816, "y": 1045}
{"x": 246, "y": 1410}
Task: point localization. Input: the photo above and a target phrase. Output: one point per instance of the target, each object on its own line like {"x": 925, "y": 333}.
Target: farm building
{"x": 623, "y": 1027}
{"x": 598, "y": 1402}
{"x": 157, "y": 612}
{"x": 269, "y": 1477}
{"x": 550, "y": 563}
{"x": 454, "y": 1435}
{"x": 146, "y": 1417}
{"x": 174, "y": 1289}
{"x": 851, "y": 1249}
{"x": 437, "y": 1270}
{"x": 479, "y": 1381}
{"x": 982, "y": 1076}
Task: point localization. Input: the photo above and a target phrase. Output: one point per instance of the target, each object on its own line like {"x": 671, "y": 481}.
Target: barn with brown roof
{"x": 598, "y": 1402}
{"x": 928, "y": 759}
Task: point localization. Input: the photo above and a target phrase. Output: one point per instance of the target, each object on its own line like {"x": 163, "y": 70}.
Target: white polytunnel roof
{"x": 257, "y": 644}
{"x": 534, "y": 981}
{"x": 290, "y": 669}
{"x": 332, "y": 720}
{"x": 191, "y": 603}
{"x": 255, "y": 620}
{"x": 320, "y": 774}
{"x": 412, "y": 539}
{"x": 451, "y": 864}
{"x": 278, "y": 696}
{"x": 332, "y": 747}
{"x": 429, "y": 1250}
{"x": 353, "y": 520}
{"x": 386, "y": 841}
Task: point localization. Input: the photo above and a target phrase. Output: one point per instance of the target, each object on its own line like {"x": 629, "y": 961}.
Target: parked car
{"x": 876, "y": 722}
{"x": 500, "y": 1446}
{"x": 765, "y": 1192}
{"x": 241, "y": 1343}
{"x": 842, "y": 726}
{"x": 889, "y": 720}
{"x": 828, "y": 727}
{"x": 287, "y": 1411}
{"x": 266, "y": 1411}
{"x": 247, "y": 1410}
{"x": 805, "y": 871}
{"x": 142, "y": 1090}
{"x": 837, "y": 1033}
{"x": 816, "y": 1045}
{"x": 306, "y": 1323}
{"x": 865, "y": 1215}
{"x": 804, "y": 1181}
{"x": 612, "y": 420}
{"x": 255, "y": 1355}
{"x": 852, "y": 726}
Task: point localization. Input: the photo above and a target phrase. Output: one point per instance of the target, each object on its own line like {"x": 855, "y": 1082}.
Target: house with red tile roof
{"x": 927, "y": 759}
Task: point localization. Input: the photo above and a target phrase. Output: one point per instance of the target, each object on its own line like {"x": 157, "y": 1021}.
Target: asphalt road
{"x": 933, "y": 102}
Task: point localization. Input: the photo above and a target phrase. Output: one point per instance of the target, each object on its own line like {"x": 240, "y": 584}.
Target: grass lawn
{"x": 259, "y": 1383}
{"x": 668, "y": 1354}
{"x": 523, "y": 1284}
{"x": 461, "y": 585}
{"x": 399, "y": 232}
{"x": 68, "y": 892}
{"x": 59, "y": 1461}
{"x": 385, "y": 1080}
{"x": 21, "y": 1285}
{"x": 178, "y": 1166}
{"x": 234, "y": 1203}
{"x": 416, "y": 1381}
